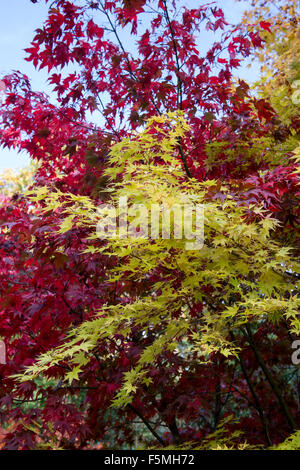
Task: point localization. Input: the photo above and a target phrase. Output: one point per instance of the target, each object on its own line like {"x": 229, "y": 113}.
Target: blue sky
{"x": 19, "y": 19}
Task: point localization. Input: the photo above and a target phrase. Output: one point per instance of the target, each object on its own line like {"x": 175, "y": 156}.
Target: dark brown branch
{"x": 174, "y": 431}
{"x": 254, "y": 395}
{"x": 183, "y": 159}
{"x": 218, "y": 403}
{"x": 270, "y": 378}
{"x": 179, "y": 82}
{"x": 147, "y": 424}
{"x": 131, "y": 72}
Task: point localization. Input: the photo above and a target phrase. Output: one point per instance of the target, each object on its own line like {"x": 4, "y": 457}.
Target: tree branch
{"x": 147, "y": 424}
{"x": 270, "y": 378}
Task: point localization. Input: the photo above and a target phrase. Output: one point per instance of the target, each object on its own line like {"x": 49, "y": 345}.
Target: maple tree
{"x": 16, "y": 181}
{"x": 102, "y": 334}
{"x": 280, "y": 59}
